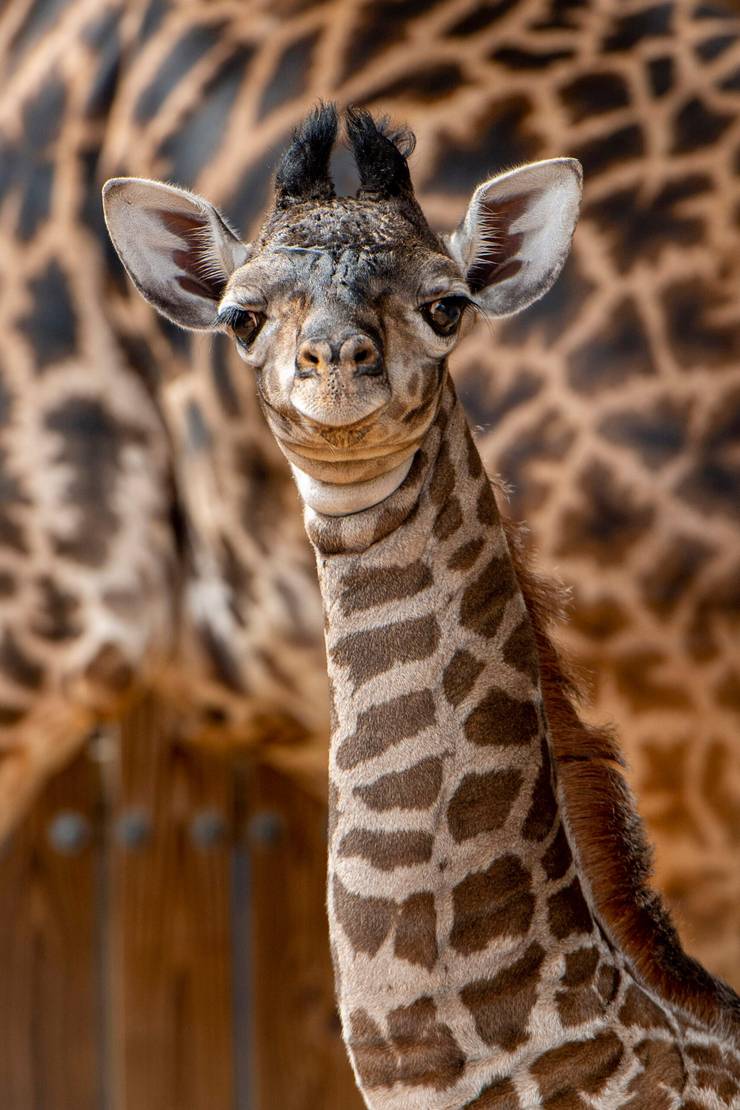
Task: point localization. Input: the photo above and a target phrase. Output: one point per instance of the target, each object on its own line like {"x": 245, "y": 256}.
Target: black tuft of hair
{"x": 303, "y": 171}
{"x": 380, "y": 152}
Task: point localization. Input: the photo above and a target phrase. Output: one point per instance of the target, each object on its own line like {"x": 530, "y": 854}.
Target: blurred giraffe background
{"x": 149, "y": 533}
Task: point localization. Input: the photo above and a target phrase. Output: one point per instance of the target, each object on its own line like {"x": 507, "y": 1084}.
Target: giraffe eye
{"x": 243, "y": 323}
{"x": 443, "y": 316}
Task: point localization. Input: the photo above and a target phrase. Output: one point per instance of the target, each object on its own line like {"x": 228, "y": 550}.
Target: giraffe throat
{"x": 334, "y": 499}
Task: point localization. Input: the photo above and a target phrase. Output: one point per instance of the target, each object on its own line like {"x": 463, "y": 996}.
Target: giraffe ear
{"x": 177, "y": 248}
{"x": 516, "y": 234}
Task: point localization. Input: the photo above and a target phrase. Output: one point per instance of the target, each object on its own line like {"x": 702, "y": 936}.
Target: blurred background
{"x": 163, "y": 722}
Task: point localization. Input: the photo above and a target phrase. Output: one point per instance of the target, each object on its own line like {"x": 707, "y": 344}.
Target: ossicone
{"x": 381, "y": 154}
{"x": 380, "y": 151}
{"x": 303, "y": 170}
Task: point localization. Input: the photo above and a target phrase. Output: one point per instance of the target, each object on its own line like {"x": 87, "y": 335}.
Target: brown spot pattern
{"x": 486, "y": 508}
{"x": 639, "y": 1009}
{"x": 568, "y": 912}
{"x": 482, "y": 803}
{"x": 371, "y": 586}
{"x": 387, "y": 850}
{"x": 384, "y": 725}
{"x": 662, "y": 1066}
{"x": 443, "y": 476}
{"x": 57, "y": 618}
{"x": 579, "y": 1066}
{"x": 373, "y": 1056}
{"x": 460, "y": 675}
{"x": 500, "y": 1006}
{"x": 465, "y": 555}
{"x": 374, "y": 651}
{"x": 475, "y": 465}
{"x": 415, "y": 788}
{"x": 365, "y": 921}
{"x": 718, "y": 1070}
{"x": 579, "y": 1002}
{"x": 416, "y": 933}
{"x": 578, "y": 1006}
{"x": 492, "y": 903}
{"x": 543, "y": 810}
{"x": 419, "y": 1051}
{"x": 499, "y": 1095}
{"x": 498, "y": 719}
{"x": 607, "y": 982}
{"x": 558, "y": 858}
{"x": 448, "y": 519}
{"x": 428, "y": 1054}
{"x": 18, "y": 665}
{"x": 520, "y": 651}
{"x": 483, "y": 602}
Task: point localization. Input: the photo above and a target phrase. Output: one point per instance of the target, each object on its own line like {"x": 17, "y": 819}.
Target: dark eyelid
{"x": 456, "y": 298}
{"x": 432, "y": 298}
{"x": 233, "y": 317}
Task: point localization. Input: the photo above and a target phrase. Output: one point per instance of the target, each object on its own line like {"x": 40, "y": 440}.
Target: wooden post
{"x": 51, "y": 1027}
{"x": 171, "y": 941}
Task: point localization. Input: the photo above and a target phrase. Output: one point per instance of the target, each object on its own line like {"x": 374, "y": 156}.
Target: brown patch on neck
{"x": 608, "y": 831}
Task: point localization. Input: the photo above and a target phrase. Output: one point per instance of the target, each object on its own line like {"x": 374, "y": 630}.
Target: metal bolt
{"x": 208, "y": 829}
{"x": 134, "y": 829}
{"x": 102, "y": 744}
{"x": 69, "y": 832}
{"x": 266, "y": 828}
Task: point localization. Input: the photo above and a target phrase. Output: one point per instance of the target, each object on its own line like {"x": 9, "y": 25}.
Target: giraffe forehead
{"x": 350, "y": 248}
{"x": 338, "y": 263}
{"x": 341, "y": 223}
{"x": 310, "y": 274}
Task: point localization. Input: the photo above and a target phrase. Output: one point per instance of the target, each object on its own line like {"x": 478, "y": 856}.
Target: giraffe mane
{"x": 608, "y": 831}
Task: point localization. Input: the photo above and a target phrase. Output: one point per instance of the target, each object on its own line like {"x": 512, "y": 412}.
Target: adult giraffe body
{"x": 495, "y": 943}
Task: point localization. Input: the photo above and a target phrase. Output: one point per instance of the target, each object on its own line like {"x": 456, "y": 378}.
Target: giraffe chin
{"x": 332, "y": 499}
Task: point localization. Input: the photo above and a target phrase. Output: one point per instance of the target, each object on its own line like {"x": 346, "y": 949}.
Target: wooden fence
{"x": 163, "y": 939}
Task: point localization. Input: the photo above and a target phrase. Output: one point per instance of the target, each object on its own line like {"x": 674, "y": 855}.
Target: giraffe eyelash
{"x": 243, "y": 323}
{"x": 233, "y": 317}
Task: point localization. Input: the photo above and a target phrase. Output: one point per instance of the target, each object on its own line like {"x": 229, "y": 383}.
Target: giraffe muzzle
{"x": 339, "y": 381}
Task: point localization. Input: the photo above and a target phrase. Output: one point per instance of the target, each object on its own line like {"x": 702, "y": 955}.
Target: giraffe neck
{"x": 454, "y": 897}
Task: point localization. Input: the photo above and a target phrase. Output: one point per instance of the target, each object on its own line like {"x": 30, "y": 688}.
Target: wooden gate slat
{"x": 299, "y": 1059}
{"x": 117, "y": 964}
{"x": 171, "y": 922}
{"x": 51, "y": 1030}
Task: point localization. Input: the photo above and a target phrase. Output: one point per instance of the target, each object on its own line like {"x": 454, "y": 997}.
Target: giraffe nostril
{"x": 361, "y": 355}
{"x": 368, "y": 363}
{"x": 310, "y": 359}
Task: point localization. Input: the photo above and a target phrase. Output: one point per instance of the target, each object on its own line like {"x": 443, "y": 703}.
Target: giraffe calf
{"x": 495, "y": 942}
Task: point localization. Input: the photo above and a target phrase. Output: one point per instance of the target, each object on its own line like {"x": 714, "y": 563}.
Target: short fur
{"x": 608, "y": 830}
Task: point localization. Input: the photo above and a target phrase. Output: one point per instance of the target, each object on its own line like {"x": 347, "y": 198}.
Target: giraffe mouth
{"x": 370, "y": 454}
{"x": 331, "y": 414}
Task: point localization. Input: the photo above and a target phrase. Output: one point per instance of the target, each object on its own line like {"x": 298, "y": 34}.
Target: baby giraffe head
{"x": 347, "y": 308}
